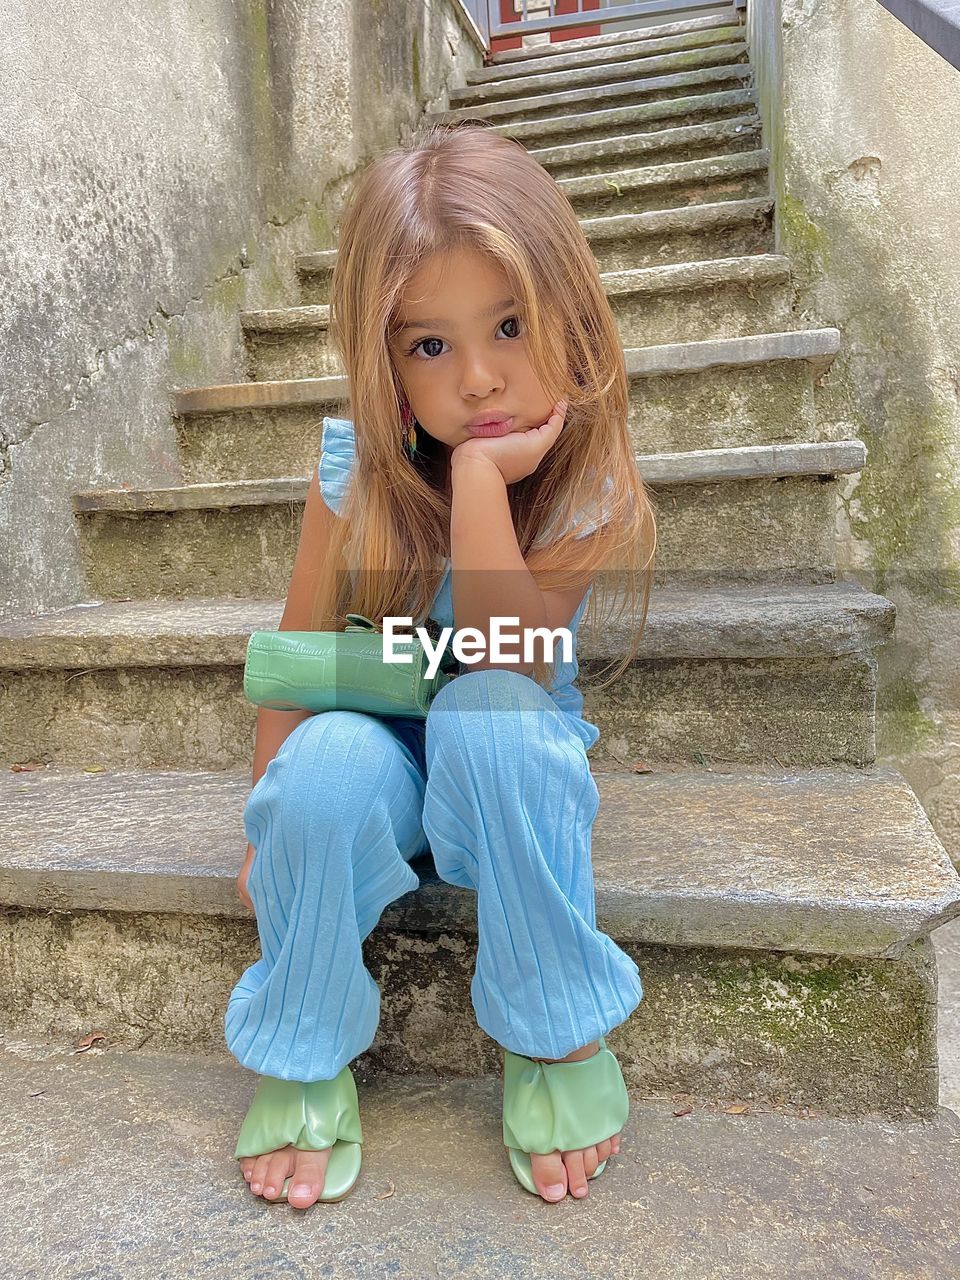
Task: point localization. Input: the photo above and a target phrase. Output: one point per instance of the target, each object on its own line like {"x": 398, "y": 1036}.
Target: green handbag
{"x": 341, "y": 670}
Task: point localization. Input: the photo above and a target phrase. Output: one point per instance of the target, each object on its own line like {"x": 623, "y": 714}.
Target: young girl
{"x": 464, "y": 290}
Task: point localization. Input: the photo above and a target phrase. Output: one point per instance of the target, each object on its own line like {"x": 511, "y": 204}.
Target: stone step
{"x": 610, "y": 53}
{"x": 736, "y": 673}
{"x": 832, "y": 1195}
{"x": 560, "y": 75}
{"x": 741, "y": 175}
{"x": 699, "y": 301}
{"x": 538, "y": 106}
{"x": 719, "y": 393}
{"x": 292, "y": 454}
{"x": 780, "y": 920}
{"x": 643, "y": 116}
{"x": 660, "y": 237}
{"x": 766, "y": 514}
{"x": 691, "y": 234}
{"x": 609, "y": 41}
{"x": 608, "y": 154}
{"x": 728, "y": 392}
{"x": 677, "y": 302}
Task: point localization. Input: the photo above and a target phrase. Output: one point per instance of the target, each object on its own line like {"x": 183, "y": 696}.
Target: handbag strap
{"x": 357, "y": 622}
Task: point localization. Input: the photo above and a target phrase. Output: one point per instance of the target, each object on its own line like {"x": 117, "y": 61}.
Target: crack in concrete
{"x": 95, "y": 365}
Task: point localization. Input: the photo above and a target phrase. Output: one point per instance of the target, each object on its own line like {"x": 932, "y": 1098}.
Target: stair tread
{"x": 679, "y": 218}
{"x": 615, "y": 38}
{"x": 816, "y": 345}
{"x": 651, "y": 221}
{"x": 653, "y": 139}
{"x": 673, "y": 173}
{"x": 598, "y": 94}
{"x": 701, "y": 466}
{"x": 558, "y": 58}
{"x": 692, "y": 217}
{"x": 747, "y": 269}
{"x": 565, "y": 69}
{"x": 695, "y": 622}
{"x": 663, "y": 1206}
{"x": 638, "y": 113}
{"x": 825, "y": 860}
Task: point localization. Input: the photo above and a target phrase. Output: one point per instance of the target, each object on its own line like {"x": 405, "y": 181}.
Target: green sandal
{"x": 560, "y": 1106}
{"x": 312, "y": 1116}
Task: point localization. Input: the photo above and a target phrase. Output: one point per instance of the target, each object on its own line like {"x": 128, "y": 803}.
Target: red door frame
{"x": 498, "y": 43}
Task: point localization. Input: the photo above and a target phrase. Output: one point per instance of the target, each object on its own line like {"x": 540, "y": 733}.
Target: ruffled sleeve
{"x": 597, "y": 513}
{"x": 337, "y": 452}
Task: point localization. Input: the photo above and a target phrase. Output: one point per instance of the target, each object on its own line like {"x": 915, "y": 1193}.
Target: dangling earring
{"x": 410, "y": 427}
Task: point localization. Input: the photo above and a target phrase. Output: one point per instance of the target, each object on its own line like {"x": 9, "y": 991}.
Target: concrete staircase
{"x": 776, "y": 886}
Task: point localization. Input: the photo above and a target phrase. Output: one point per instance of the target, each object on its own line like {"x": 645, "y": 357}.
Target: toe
{"x": 576, "y": 1178}
{"x": 603, "y": 1149}
{"x": 549, "y": 1175}
{"x": 279, "y": 1166}
{"x": 306, "y": 1185}
{"x": 591, "y": 1161}
{"x": 258, "y": 1173}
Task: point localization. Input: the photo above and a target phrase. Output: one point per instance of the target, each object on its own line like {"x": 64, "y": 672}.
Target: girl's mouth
{"x": 492, "y": 428}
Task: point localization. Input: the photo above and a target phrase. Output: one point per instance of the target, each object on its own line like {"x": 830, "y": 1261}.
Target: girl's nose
{"x": 479, "y": 380}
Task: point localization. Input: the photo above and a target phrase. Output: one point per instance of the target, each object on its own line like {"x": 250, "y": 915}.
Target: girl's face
{"x": 462, "y": 350}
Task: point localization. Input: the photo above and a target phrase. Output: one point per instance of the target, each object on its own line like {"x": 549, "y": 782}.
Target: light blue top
{"x": 337, "y": 454}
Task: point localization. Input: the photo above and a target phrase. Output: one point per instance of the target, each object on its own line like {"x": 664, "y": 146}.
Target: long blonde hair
{"x": 457, "y": 186}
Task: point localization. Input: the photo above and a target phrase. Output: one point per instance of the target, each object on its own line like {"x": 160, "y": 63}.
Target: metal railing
{"x": 534, "y": 16}
{"x": 936, "y": 22}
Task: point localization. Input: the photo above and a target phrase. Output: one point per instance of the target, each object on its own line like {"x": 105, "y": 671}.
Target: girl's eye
{"x": 428, "y": 357}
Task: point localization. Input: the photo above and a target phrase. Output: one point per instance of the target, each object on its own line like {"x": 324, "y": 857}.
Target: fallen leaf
{"x": 89, "y": 1039}
{"x": 26, "y": 768}
{"x": 642, "y": 767}
{"x": 737, "y": 1109}
{"x": 387, "y": 1194}
{"x": 94, "y": 768}
{"x": 682, "y": 1111}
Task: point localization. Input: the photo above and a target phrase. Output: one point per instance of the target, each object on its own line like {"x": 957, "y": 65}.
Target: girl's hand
{"x": 518, "y": 453}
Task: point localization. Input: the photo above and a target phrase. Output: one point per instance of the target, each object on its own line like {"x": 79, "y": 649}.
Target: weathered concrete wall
{"x": 167, "y": 160}
{"x": 862, "y": 120}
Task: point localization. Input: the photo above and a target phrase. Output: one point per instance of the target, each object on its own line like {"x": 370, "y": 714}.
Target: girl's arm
{"x": 482, "y": 538}
{"x": 274, "y": 727}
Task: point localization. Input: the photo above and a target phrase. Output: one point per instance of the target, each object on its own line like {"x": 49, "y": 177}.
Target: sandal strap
{"x": 312, "y": 1115}
{"x": 562, "y": 1106}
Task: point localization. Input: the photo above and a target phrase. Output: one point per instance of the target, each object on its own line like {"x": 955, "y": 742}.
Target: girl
{"x": 464, "y": 290}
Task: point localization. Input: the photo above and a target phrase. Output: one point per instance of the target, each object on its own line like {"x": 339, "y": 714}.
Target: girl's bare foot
{"x": 562, "y": 1171}
{"x": 265, "y": 1174}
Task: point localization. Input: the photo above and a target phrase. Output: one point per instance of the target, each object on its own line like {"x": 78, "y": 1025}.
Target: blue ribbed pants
{"x": 496, "y": 779}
